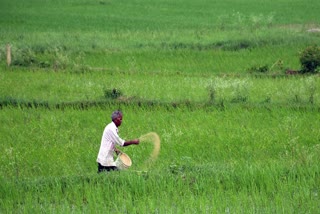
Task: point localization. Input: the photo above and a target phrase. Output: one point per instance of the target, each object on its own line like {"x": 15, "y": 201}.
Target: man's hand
{"x": 136, "y": 142}
{"x": 117, "y": 151}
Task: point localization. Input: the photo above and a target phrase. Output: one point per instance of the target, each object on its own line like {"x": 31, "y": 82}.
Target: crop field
{"x": 217, "y": 81}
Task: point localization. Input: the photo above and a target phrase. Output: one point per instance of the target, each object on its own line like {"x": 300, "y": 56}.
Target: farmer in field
{"x": 110, "y": 139}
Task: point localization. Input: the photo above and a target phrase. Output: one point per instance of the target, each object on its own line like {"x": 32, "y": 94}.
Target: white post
{"x": 8, "y": 54}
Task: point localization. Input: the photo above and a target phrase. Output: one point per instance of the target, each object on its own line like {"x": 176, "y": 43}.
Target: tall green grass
{"x": 53, "y": 137}
{"x": 232, "y": 140}
{"x": 144, "y": 35}
{"x": 237, "y": 160}
{"x": 57, "y": 87}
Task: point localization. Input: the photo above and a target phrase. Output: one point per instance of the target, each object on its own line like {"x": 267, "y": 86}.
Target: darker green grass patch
{"x": 226, "y": 45}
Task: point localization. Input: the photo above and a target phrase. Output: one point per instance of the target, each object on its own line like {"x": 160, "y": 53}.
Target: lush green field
{"x": 197, "y": 89}
{"x": 184, "y": 36}
{"x": 235, "y": 138}
{"x": 237, "y": 160}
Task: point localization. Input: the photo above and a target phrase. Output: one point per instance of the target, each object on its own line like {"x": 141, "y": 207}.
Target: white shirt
{"x": 110, "y": 139}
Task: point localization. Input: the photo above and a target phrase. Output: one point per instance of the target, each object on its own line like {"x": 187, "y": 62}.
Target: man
{"x": 110, "y": 139}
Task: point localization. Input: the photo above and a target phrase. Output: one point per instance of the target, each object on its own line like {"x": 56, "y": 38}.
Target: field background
{"x": 237, "y": 134}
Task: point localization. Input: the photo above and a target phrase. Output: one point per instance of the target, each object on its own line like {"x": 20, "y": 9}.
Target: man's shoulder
{"x": 111, "y": 125}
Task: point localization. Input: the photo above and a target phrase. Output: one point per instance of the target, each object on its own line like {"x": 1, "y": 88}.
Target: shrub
{"x": 112, "y": 94}
{"x": 24, "y": 57}
{"x": 259, "y": 69}
{"x": 310, "y": 59}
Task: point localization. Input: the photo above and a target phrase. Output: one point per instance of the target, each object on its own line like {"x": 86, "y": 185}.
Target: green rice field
{"x": 239, "y": 134}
